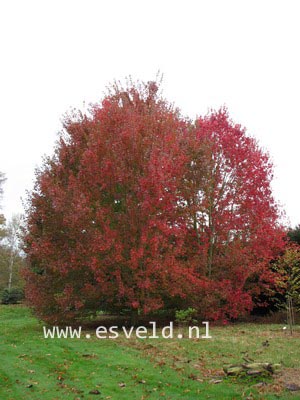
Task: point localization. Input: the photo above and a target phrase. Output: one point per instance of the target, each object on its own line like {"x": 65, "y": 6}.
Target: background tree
{"x": 288, "y": 266}
{"x": 3, "y": 280}
{"x": 11, "y": 261}
{"x": 13, "y": 232}
{"x": 10, "y": 256}
{"x": 288, "y": 284}
{"x": 294, "y": 234}
{"x": 2, "y": 219}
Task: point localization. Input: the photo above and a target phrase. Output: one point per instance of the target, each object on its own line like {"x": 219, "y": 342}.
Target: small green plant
{"x": 185, "y": 317}
{"x": 12, "y": 296}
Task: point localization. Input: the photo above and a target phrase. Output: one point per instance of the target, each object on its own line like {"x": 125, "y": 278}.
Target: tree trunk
{"x": 10, "y": 269}
{"x": 134, "y": 316}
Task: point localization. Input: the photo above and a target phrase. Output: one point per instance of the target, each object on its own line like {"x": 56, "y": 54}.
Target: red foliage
{"x": 103, "y": 229}
{"x": 233, "y": 216}
{"x": 140, "y": 208}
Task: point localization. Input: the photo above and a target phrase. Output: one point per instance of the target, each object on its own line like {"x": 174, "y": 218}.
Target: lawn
{"x": 33, "y": 367}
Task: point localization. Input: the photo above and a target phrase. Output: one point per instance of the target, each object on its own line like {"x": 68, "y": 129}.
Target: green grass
{"x": 33, "y": 367}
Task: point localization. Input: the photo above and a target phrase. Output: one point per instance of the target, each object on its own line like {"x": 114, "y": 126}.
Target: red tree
{"x": 140, "y": 208}
{"x": 103, "y": 226}
{"x": 233, "y": 216}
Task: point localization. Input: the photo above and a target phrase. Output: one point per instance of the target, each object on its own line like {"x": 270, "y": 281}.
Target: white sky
{"x": 57, "y": 54}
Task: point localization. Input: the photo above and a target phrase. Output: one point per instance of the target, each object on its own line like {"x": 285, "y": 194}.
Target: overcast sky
{"x": 58, "y": 54}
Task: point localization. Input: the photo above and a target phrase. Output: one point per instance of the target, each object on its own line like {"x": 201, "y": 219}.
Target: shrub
{"x": 12, "y": 296}
{"x": 185, "y": 317}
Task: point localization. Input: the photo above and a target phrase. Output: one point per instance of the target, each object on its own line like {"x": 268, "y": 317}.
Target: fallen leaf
{"x": 94, "y": 392}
